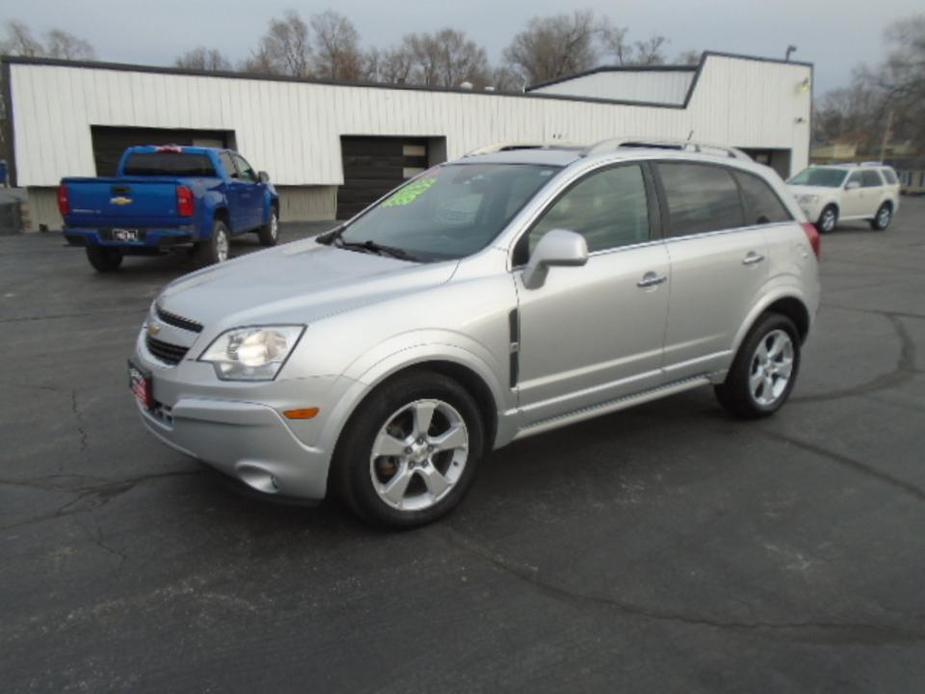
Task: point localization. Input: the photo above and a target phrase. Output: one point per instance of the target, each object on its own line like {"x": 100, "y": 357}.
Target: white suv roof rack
{"x": 614, "y": 143}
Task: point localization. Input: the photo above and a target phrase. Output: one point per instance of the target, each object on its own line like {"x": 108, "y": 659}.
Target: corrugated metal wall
{"x": 293, "y": 129}
{"x": 668, "y": 87}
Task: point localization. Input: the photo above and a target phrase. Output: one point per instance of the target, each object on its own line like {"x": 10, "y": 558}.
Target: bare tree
{"x": 205, "y": 59}
{"x": 284, "y": 49}
{"x": 553, "y": 47}
{"x": 19, "y": 40}
{"x": 649, "y": 52}
{"x": 446, "y": 59}
{"x": 614, "y": 43}
{"x": 335, "y": 41}
{"x": 688, "y": 58}
{"x": 61, "y": 44}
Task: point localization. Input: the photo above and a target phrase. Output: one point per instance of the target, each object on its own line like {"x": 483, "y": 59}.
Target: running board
{"x": 611, "y": 406}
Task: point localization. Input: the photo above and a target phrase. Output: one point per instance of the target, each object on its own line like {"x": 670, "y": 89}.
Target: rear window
{"x": 871, "y": 179}
{"x": 700, "y": 198}
{"x": 168, "y": 164}
{"x": 762, "y": 206}
{"x": 890, "y": 176}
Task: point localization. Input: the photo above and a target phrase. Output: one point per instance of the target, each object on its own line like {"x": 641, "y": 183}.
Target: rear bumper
{"x": 150, "y": 239}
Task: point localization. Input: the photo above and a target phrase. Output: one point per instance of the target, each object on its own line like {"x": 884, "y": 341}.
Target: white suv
{"x": 845, "y": 192}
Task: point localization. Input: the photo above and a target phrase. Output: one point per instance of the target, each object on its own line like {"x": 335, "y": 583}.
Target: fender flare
{"x": 786, "y": 291}
{"x": 409, "y": 357}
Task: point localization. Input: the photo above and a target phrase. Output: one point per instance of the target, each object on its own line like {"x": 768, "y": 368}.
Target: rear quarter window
{"x": 701, "y": 198}
{"x": 890, "y": 176}
{"x": 168, "y": 164}
{"x": 762, "y": 206}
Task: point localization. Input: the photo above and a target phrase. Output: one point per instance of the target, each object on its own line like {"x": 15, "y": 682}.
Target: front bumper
{"x": 238, "y": 428}
{"x": 150, "y": 240}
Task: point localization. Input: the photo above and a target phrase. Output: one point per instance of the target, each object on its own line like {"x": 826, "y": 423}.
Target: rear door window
{"x": 871, "y": 179}
{"x": 228, "y": 163}
{"x": 700, "y": 198}
{"x": 762, "y": 206}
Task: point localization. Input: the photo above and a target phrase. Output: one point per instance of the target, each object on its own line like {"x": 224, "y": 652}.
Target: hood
{"x": 810, "y": 190}
{"x": 295, "y": 283}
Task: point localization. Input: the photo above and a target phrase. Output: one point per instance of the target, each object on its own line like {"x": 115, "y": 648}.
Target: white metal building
{"x": 332, "y": 147}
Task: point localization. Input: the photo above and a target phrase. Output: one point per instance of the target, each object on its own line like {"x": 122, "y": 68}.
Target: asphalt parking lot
{"x": 666, "y": 548}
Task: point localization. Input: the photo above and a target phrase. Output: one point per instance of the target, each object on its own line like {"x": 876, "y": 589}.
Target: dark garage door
{"x": 375, "y": 165}
{"x": 109, "y": 143}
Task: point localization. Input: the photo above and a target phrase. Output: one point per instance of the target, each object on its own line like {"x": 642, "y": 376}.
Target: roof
{"x": 7, "y": 60}
{"x": 664, "y": 68}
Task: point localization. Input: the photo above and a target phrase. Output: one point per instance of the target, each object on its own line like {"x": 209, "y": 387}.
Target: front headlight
{"x": 807, "y": 199}
{"x": 252, "y": 354}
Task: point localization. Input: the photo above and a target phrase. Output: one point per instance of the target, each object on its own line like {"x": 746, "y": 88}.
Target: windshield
{"x": 819, "y": 176}
{"x": 450, "y": 211}
{"x": 168, "y": 164}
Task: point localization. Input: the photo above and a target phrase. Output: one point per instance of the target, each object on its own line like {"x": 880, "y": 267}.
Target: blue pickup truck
{"x": 165, "y": 198}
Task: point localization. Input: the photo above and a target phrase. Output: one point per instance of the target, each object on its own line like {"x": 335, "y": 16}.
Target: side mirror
{"x": 264, "y": 177}
{"x": 558, "y": 247}
{"x": 851, "y": 185}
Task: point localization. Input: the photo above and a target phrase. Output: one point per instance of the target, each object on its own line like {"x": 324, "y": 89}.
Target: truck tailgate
{"x": 136, "y": 202}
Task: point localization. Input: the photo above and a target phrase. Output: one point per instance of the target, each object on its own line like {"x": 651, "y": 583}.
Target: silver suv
{"x": 488, "y": 299}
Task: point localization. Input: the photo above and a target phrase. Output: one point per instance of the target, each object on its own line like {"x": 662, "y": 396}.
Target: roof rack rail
{"x": 512, "y": 146}
{"x": 614, "y": 143}
{"x": 871, "y": 163}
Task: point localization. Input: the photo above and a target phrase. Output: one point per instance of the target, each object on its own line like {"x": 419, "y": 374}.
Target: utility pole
{"x": 886, "y": 135}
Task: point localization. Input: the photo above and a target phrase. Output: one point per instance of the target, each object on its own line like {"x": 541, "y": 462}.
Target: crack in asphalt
{"x": 856, "y": 465}
{"x": 809, "y": 630}
{"x": 904, "y": 370}
{"x": 75, "y": 410}
{"x": 97, "y": 495}
{"x": 84, "y": 314}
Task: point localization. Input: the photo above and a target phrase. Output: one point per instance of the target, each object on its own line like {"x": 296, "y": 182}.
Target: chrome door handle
{"x": 651, "y": 279}
{"x": 752, "y": 258}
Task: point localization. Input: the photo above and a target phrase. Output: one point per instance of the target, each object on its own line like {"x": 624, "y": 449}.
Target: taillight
{"x": 186, "y": 205}
{"x": 64, "y": 200}
{"x": 814, "y": 239}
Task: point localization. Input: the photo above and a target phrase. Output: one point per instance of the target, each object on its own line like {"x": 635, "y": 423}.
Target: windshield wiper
{"x": 370, "y": 246}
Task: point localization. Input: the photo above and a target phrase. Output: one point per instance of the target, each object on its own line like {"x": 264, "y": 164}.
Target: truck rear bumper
{"x": 149, "y": 240}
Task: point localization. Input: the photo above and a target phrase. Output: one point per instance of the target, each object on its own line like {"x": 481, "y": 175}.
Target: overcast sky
{"x": 835, "y": 35}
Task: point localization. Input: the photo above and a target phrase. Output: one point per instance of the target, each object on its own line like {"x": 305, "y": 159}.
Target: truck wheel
{"x": 269, "y": 232}
{"x": 215, "y": 249}
{"x": 410, "y": 451}
{"x": 104, "y": 259}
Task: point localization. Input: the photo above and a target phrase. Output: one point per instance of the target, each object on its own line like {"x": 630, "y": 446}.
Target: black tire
{"x": 210, "y": 251}
{"x": 735, "y": 393}
{"x": 883, "y": 217}
{"x": 828, "y": 219}
{"x": 104, "y": 259}
{"x": 269, "y": 232}
{"x": 351, "y": 472}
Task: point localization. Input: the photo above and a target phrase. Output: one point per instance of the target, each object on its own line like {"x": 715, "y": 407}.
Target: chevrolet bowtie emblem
{"x": 120, "y": 200}
{"x": 153, "y": 329}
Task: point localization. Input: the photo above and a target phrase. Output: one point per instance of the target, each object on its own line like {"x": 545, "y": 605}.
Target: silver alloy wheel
{"x": 221, "y": 245}
{"x": 419, "y": 454}
{"x": 274, "y": 226}
{"x": 828, "y": 220}
{"x": 771, "y": 367}
{"x": 883, "y": 217}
